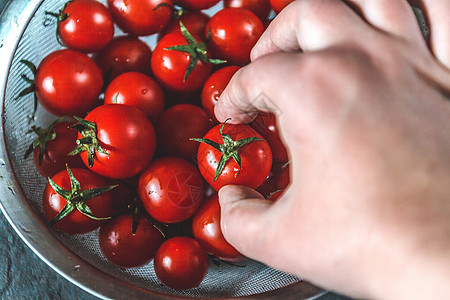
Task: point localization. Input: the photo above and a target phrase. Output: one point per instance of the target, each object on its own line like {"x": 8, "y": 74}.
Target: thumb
{"x": 244, "y": 214}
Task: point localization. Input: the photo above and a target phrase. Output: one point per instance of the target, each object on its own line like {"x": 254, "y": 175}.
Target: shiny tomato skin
{"x": 261, "y": 8}
{"x": 279, "y": 5}
{"x": 55, "y": 154}
{"x": 141, "y": 17}
{"x": 177, "y": 125}
{"x": 68, "y": 82}
{"x": 123, "y": 54}
{"x": 197, "y": 4}
{"x": 233, "y": 33}
{"x": 266, "y": 125}
{"x": 194, "y": 21}
{"x": 256, "y": 158}
{"x": 171, "y": 189}
{"x": 169, "y": 66}
{"x": 88, "y": 27}
{"x": 207, "y": 231}
{"x": 181, "y": 263}
{"x": 138, "y": 90}
{"x": 75, "y": 222}
{"x": 277, "y": 181}
{"x": 127, "y": 135}
{"x": 125, "y": 249}
{"x": 213, "y": 88}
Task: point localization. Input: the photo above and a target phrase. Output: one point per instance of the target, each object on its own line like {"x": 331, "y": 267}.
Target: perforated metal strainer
{"x": 78, "y": 258}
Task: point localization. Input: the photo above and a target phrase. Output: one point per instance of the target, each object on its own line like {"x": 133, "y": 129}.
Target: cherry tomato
{"x": 141, "y": 17}
{"x": 197, "y": 4}
{"x": 213, "y": 88}
{"x": 266, "y": 125}
{"x": 194, "y": 21}
{"x": 119, "y": 141}
{"x": 181, "y": 263}
{"x": 276, "y": 182}
{"x": 279, "y": 5}
{"x": 169, "y": 66}
{"x": 177, "y": 125}
{"x": 125, "y": 248}
{"x": 85, "y": 25}
{"x": 207, "y": 231}
{"x": 261, "y": 8}
{"x": 123, "y": 54}
{"x": 68, "y": 82}
{"x": 220, "y": 167}
{"x": 233, "y": 33}
{"x": 138, "y": 90}
{"x": 76, "y": 222}
{"x": 171, "y": 189}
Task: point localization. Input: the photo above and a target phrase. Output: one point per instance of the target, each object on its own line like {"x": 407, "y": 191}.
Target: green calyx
{"x": 60, "y": 16}
{"x": 196, "y": 50}
{"x": 88, "y": 141}
{"x": 44, "y": 135}
{"x": 31, "y": 85}
{"x": 76, "y": 198}
{"x": 229, "y": 149}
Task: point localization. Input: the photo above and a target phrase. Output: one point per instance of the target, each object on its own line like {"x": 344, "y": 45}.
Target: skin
{"x": 369, "y": 200}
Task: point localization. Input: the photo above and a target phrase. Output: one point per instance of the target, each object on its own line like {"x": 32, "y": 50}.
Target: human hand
{"x": 363, "y": 107}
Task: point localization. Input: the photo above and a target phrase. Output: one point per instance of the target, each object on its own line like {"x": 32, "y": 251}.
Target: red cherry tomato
{"x": 261, "y": 8}
{"x": 68, "y": 82}
{"x": 255, "y": 157}
{"x": 213, "y": 88}
{"x": 76, "y": 222}
{"x": 126, "y": 138}
{"x": 194, "y": 21}
{"x": 276, "y": 182}
{"x": 138, "y": 90}
{"x": 171, "y": 189}
{"x": 85, "y": 25}
{"x": 266, "y": 125}
{"x": 233, "y": 33}
{"x": 207, "y": 231}
{"x": 197, "y": 4}
{"x": 279, "y": 5}
{"x": 177, "y": 125}
{"x": 126, "y": 249}
{"x": 58, "y": 141}
{"x": 123, "y": 54}
{"x": 169, "y": 66}
{"x": 141, "y": 17}
{"x": 181, "y": 263}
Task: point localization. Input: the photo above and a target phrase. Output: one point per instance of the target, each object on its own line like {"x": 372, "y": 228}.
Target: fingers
{"x": 310, "y": 25}
{"x": 244, "y": 220}
{"x": 437, "y": 12}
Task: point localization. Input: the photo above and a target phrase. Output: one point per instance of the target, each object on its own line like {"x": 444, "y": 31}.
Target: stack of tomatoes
{"x": 136, "y": 149}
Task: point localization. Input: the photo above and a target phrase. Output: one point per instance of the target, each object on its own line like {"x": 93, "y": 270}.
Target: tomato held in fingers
{"x": 197, "y": 4}
{"x": 129, "y": 241}
{"x": 138, "y": 90}
{"x": 51, "y": 148}
{"x": 261, "y": 8}
{"x": 233, "y": 33}
{"x": 116, "y": 140}
{"x": 85, "y": 25}
{"x": 177, "y": 125}
{"x": 279, "y": 5}
{"x": 141, "y": 17}
{"x": 181, "y": 263}
{"x": 233, "y": 154}
{"x": 181, "y": 62}
{"x": 213, "y": 88}
{"x": 123, "y": 54}
{"x": 207, "y": 231}
{"x": 68, "y": 82}
{"x": 171, "y": 189}
{"x": 77, "y": 201}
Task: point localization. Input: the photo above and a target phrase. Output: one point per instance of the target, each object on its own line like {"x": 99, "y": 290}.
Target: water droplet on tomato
{"x": 144, "y": 91}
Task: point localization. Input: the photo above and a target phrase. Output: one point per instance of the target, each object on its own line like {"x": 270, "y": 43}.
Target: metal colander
{"x": 78, "y": 258}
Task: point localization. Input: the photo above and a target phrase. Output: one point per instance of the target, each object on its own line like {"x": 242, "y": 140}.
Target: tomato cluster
{"x": 136, "y": 150}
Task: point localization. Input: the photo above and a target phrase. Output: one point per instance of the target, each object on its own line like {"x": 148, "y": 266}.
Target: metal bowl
{"x": 78, "y": 258}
